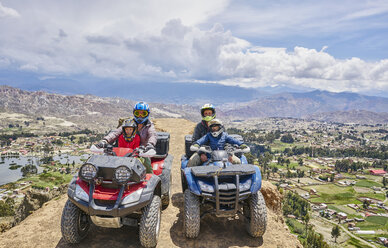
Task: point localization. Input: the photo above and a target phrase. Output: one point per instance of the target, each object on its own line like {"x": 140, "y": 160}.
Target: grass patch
{"x": 334, "y": 194}
{"x": 295, "y": 226}
{"x": 374, "y": 223}
{"x": 355, "y": 243}
{"x": 372, "y": 195}
{"x": 49, "y": 179}
{"x": 277, "y": 145}
{"x": 368, "y": 184}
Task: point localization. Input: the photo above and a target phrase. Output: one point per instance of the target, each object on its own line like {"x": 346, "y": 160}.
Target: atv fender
{"x": 71, "y": 188}
{"x": 256, "y": 180}
{"x": 191, "y": 182}
{"x": 153, "y": 186}
{"x": 165, "y": 176}
{"x": 244, "y": 159}
{"x": 184, "y": 161}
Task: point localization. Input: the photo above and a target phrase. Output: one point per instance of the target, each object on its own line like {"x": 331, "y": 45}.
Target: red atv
{"x": 113, "y": 189}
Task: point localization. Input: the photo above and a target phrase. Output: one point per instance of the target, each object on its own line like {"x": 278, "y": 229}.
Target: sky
{"x": 326, "y": 45}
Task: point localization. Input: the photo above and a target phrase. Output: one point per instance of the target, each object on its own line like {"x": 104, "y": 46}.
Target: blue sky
{"x": 326, "y": 45}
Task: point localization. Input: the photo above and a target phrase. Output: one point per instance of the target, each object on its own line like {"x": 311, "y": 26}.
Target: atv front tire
{"x": 256, "y": 213}
{"x": 191, "y": 220}
{"x": 150, "y": 223}
{"x": 74, "y": 223}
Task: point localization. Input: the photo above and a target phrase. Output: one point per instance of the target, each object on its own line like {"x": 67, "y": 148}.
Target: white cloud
{"x": 8, "y": 12}
{"x": 167, "y": 41}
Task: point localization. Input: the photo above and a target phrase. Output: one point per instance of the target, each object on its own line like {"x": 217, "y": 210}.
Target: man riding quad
{"x": 208, "y": 113}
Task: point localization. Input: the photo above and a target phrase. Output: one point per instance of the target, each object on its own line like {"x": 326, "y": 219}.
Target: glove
{"x": 149, "y": 147}
{"x": 102, "y": 144}
{"x": 194, "y": 147}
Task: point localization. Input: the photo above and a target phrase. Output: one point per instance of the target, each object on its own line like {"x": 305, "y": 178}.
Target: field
{"x": 333, "y": 194}
{"x": 49, "y": 179}
{"x": 374, "y": 223}
{"x": 368, "y": 184}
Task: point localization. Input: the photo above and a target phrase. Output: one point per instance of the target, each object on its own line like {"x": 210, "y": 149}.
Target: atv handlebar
{"x": 229, "y": 148}
{"x": 141, "y": 151}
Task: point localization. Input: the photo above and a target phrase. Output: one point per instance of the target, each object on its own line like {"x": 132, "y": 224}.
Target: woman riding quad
{"x": 145, "y": 129}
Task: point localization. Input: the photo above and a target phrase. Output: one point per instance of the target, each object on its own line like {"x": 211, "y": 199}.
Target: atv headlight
{"x": 122, "y": 174}
{"x": 133, "y": 197}
{"x": 88, "y": 172}
{"x": 246, "y": 185}
{"x": 81, "y": 194}
{"x": 205, "y": 187}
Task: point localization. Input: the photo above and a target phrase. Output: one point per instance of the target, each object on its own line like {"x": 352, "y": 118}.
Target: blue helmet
{"x": 144, "y": 108}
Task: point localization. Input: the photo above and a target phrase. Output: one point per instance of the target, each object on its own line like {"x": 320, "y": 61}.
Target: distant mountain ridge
{"x": 304, "y": 104}
{"x": 85, "y": 110}
{"x": 104, "y": 111}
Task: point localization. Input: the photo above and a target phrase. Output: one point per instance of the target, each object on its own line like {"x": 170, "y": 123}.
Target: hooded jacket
{"x": 147, "y": 134}
{"x": 217, "y": 143}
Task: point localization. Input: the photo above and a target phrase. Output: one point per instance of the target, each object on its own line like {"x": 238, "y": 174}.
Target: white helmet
{"x": 216, "y": 122}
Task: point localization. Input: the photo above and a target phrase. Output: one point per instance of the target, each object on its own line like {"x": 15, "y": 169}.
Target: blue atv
{"x": 221, "y": 188}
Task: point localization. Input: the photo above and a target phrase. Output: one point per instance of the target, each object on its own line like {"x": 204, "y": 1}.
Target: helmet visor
{"x": 208, "y": 118}
{"x": 140, "y": 113}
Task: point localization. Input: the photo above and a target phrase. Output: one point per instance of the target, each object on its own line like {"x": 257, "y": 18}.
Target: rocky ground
{"x": 42, "y": 228}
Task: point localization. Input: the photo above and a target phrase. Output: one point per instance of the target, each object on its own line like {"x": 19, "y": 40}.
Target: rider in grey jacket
{"x": 145, "y": 127}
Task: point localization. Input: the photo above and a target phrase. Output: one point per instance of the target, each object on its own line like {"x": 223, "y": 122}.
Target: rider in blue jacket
{"x": 217, "y": 138}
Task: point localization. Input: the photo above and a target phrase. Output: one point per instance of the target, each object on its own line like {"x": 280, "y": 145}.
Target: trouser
{"x": 147, "y": 164}
{"x": 195, "y": 160}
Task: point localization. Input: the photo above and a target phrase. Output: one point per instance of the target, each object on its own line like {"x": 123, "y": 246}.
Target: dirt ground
{"x": 42, "y": 228}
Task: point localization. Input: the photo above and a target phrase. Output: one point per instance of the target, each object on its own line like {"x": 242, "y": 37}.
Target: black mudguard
{"x": 166, "y": 174}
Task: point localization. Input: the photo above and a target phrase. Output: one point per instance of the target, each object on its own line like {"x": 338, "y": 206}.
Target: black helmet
{"x": 129, "y": 123}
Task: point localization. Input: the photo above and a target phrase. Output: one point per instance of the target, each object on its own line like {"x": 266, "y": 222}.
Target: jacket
{"x": 135, "y": 143}
{"x": 200, "y": 130}
{"x": 219, "y": 142}
{"x": 147, "y": 134}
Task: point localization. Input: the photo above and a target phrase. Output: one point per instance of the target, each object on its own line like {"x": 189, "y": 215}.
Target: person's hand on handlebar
{"x": 194, "y": 147}
{"x": 102, "y": 144}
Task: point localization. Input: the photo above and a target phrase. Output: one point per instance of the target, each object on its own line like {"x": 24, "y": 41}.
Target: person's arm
{"x": 113, "y": 135}
{"x": 202, "y": 141}
{"x": 233, "y": 141}
{"x": 152, "y": 135}
{"x": 197, "y": 133}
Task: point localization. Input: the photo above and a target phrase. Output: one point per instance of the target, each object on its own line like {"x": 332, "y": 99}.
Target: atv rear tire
{"x": 166, "y": 197}
{"x": 191, "y": 220}
{"x": 74, "y": 223}
{"x": 256, "y": 215}
{"x": 150, "y": 223}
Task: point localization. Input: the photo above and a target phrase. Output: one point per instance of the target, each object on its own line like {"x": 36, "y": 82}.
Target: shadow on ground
{"x": 214, "y": 232}
{"x": 107, "y": 237}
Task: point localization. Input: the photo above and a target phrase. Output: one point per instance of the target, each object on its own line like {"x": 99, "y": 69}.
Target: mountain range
{"x": 104, "y": 111}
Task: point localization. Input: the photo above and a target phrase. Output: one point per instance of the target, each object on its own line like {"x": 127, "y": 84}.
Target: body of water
{"x": 8, "y": 175}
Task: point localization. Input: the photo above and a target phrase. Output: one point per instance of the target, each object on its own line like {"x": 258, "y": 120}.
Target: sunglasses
{"x": 140, "y": 113}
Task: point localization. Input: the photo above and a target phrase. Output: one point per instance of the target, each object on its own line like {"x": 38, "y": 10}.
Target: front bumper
{"x": 113, "y": 209}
